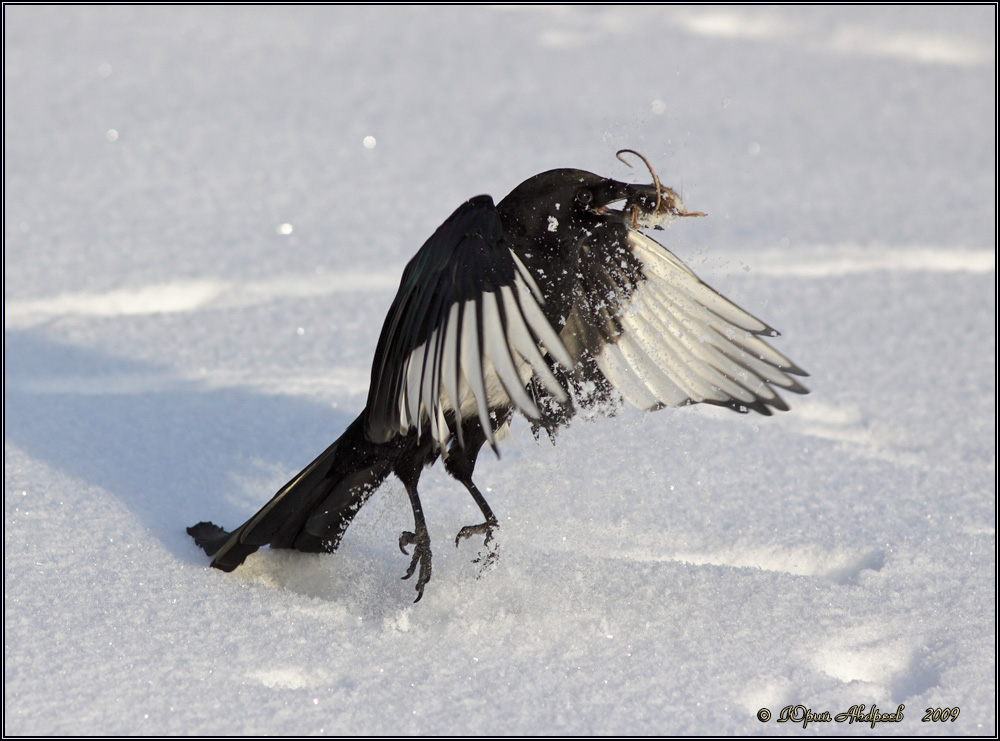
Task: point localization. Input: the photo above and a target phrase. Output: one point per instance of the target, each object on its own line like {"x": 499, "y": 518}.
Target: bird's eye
{"x": 584, "y": 196}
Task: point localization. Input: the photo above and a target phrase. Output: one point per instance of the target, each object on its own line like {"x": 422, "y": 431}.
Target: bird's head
{"x": 569, "y": 205}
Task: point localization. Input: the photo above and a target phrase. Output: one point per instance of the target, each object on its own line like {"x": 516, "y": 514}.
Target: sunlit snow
{"x": 174, "y": 350}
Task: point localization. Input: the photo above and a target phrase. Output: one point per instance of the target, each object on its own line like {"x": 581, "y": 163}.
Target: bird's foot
{"x": 489, "y": 555}
{"x": 483, "y": 528}
{"x": 421, "y": 556}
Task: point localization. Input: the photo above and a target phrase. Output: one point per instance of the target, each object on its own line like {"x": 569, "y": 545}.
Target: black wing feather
{"x": 465, "y": 264}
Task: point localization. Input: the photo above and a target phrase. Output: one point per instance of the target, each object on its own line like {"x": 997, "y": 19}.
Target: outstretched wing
{"x": 645, "y": 324}
{"x": 464, "y": 335}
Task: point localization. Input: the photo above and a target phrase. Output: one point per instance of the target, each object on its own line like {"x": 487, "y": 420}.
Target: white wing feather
{"x": 682, "y": 342}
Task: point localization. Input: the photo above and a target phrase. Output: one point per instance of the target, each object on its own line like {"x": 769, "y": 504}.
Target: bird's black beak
{"x": 646, "y": 206}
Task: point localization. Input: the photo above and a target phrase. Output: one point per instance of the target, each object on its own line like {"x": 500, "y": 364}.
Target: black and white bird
{"x": 542, "y": 304}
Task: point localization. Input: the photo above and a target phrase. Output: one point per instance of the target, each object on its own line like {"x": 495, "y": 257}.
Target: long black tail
{"x": 310, "y": 512}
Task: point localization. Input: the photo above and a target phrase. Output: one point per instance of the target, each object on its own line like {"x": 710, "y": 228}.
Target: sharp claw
{"x": 489, "y": 557}
{"x": 406, "y": 538}
{"x": 485, "y": 528}
{"x": 410, "y": 571}
{"x": 421, "y": 555}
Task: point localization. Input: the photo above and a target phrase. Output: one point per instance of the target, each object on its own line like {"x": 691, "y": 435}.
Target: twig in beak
{"x": 656, "y": 180}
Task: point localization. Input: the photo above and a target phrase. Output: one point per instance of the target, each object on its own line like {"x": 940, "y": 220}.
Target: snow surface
{"x": 206, "y": 212}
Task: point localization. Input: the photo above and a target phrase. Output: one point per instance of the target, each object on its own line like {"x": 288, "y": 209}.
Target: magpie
{"x": 546, "y": 303}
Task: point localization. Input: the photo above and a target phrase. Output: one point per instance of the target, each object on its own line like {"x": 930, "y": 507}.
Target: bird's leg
{"x": 460, "y": 463}
{"x": 420, "y": 539}
{"x": 484, "y": 528}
